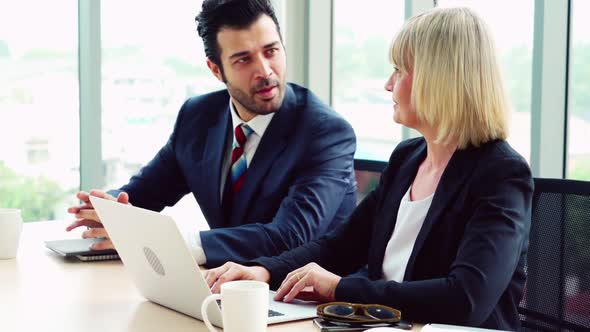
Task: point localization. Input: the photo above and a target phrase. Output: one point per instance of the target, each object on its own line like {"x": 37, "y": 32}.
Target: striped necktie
{"x": 238, "y": 158}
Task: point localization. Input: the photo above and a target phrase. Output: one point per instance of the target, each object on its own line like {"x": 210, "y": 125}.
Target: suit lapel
{"x": 271, "y": 145}
{"x": 403, "y": 178}
{"x": 211, "y": 166}
{"x": 452, "y": 180}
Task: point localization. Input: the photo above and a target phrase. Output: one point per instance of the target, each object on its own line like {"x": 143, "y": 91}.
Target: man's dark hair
{"x": 235, "y": 14}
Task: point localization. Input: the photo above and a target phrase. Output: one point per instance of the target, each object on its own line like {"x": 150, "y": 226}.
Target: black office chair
{"x": 557, "y": 292}
{"x": 368, "y": 173}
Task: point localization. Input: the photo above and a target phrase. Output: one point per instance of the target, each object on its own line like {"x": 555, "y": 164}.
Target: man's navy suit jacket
{"x": 467, "y": 263}
{"x": 300, "y": 182}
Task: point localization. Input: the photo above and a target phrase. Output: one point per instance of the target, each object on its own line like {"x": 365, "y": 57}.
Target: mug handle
{"x": 204, "y": 306}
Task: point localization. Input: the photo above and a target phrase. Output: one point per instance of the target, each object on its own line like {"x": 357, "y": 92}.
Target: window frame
{"x": 551, "y": 47}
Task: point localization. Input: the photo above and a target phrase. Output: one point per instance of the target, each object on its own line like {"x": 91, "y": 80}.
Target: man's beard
{"x": 248, "y": 100}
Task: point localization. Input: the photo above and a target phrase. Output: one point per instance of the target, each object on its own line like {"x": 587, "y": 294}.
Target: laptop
{"x": 162, "y": 267}
{"x": 80, "y": 249}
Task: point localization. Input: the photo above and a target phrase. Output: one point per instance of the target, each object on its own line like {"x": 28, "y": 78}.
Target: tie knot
{"x": 242, "y": 132}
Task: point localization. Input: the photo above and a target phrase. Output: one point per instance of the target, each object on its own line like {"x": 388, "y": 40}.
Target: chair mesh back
{"x": 557, "y": 292}
{"x": 367, "y": 173}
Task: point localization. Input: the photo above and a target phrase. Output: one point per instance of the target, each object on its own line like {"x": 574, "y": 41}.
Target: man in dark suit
{"x": 270, "y": 165}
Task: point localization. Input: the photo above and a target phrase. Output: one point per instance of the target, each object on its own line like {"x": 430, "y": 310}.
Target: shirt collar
{"x": 258, "y": 124}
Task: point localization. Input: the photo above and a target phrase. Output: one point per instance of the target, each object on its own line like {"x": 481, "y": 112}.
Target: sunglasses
{"x": 358, "y": 313}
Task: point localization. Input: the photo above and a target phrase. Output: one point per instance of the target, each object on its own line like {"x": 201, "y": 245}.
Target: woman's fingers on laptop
{"x": 83, "y": 222}
{"x": 212, "y": 275}
{"x": 294, "y": 287}
{"x": 231, "y": 271}
{"x": 294, "y": 276}
{"x": 218, "y": 276}
{"x": 321, "y": 280}
{"x": 290, "y": 280}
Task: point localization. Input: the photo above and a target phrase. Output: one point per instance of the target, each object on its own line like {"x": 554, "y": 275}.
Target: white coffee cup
{"x": 11, "y": 225}
{"x": 244, "y": 306}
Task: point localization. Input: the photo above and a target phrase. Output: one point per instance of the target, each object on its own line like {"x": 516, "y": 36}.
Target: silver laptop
{"x": 162, "y": 267}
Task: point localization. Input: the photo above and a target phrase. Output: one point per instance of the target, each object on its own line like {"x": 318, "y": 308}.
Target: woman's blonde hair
{"x": 457, "y": 86}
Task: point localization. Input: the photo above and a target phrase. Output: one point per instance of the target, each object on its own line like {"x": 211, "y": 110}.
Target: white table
{"x": 42, "y": 292}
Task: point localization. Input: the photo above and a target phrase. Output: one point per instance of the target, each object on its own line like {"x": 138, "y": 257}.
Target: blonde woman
{"x": 445, "y": 234}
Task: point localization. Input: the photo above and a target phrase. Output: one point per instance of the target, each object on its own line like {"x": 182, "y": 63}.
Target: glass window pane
{"x": 360, "y": 69}
{"x": 578, "y": 150}
{"x": 515, "y": 48}
{"x": 153, "y": 60}
{"x": 39, "y": 131}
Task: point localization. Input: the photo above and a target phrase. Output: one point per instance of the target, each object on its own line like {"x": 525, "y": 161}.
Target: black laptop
{"x": 80, "y": 249}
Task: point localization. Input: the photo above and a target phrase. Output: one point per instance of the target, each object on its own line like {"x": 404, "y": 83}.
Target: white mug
{"x": 244, "y": 306}
{"x": 11, "y": 225}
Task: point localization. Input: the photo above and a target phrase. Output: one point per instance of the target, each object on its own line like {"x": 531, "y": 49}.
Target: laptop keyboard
{"x": 272, "y": 313}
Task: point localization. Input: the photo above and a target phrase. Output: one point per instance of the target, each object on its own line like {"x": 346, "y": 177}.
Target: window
{"x": 578, "y": 149}
{"x": 39, "y": 131}
{"x": 153, "y": 60}
{"x": 515, "y": 49}
{"x": 360, "y": 69}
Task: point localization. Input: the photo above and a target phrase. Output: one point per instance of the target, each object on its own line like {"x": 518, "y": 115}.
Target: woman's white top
{"x": 410, "y": 217}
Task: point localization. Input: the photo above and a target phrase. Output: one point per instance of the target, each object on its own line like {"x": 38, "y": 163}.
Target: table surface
{"x": 42, "y": 291}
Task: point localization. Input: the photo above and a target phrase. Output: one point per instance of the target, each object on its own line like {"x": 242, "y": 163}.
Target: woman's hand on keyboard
{"x": 232, "y": 271}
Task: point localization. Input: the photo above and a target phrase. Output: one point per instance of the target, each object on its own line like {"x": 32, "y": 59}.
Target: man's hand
{"x": 86, "y": 216}
{"x": 232, "y": 271}
{"x": 309, "y": 283}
